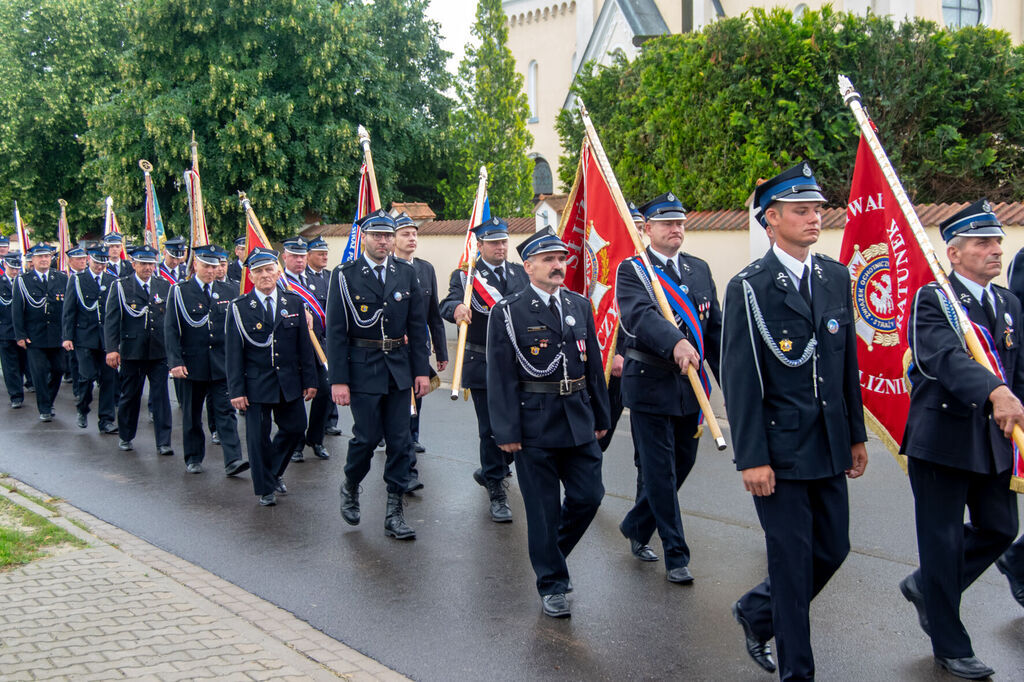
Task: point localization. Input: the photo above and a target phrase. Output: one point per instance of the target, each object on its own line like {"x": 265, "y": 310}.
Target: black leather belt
{"x": 649, "y": 359}
{"x": 385, "y": 345}
{"x": 563, "y": 387}
{"x": 476, "y": 348}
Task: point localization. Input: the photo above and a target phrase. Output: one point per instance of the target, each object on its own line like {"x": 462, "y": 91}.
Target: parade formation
{"x": 276, "y": 338}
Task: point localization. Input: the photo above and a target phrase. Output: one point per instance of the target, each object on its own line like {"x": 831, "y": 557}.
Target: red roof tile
{"x": 417, "y": 210}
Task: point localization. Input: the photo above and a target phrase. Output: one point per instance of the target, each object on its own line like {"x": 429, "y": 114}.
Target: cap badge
{"x": 986, "y": 207}
{"x": 785, "y": 345}
{"x": 671, "y": 197}
{"x": 807, "y": 170}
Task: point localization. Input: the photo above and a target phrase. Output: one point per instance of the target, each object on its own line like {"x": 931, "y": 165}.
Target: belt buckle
{"x": 385, "y": 345}
{"x": 564, "y": 387}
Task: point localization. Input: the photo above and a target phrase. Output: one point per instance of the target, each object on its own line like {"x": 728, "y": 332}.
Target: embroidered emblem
{"x": 832, "y": 326}
{"x": 534, "y": 350}
{"x": 687, "y": 268}
{"x": 785, "y": 345}
{"x": 570, "y": 320}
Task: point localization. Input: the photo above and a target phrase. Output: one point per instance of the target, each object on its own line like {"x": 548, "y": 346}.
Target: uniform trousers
{"x": 414, "y": 433}
{"x": 47, "y": 368}
{"x": 135, "y": 373}
{"x": 15, "y": 365}
{"x": 1014, "y": 557}
{"x": 268, "y": 459}
{"x": 93, "y": 368}
{"x": 807, "y": 534}
{"x": 376, "y": 416}
{"x": 193, "y": 439}
{"x": 615, "y": 408}
{"x": 319, "y": 408}
{"x": 668, "y": 451}
{"x": 554, "y": 525}
{"x": 493, "y": 462}
{"x": 953, "y": 554}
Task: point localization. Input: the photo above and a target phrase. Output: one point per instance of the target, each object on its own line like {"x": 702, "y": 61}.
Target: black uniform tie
{"x": 145, "y": 288}
{"x": 379, "y": 269}
{"x": 553, "y": 306}
{"x": 805, "y": 286}
{"x": 990, "y": 314}
{"x": 99, "y": 280}
{"x": 670, "y": 268}
{"x": 500, "y": 274}
{"x": 206, "y": 290}
{"x": 268, "y": 310}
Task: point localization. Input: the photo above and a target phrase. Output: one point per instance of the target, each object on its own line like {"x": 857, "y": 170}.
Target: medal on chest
{"x": 581, "y": 345}
{"x": 1008, "y": 338}
{"x": 785, "y": 345}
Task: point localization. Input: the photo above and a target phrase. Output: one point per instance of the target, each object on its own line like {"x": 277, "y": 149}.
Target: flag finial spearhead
{"x": 244, "y": 200}
{"x": 63, "y": 204}
{"x": 146, "y": 166}
{"x": 483, "y": 172}
{"x": 364, "y": 136}
{"x": 846, "y": 89}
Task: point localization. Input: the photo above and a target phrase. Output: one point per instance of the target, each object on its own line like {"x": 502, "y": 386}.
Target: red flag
{"x": 254, "y": 238}
{"x": 598, "y": 239}
{"x": 886, "y": 268}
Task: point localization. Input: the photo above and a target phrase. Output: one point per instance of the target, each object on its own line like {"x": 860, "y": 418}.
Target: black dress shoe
{"x": 215, "y": 437}
{"x": 478, "y": 476}
{"x": 280, "y": 488}
{"x": 332, "y": 431}
{"x": 165, "y": 450}
{"x": 17, "y": 404}
{"x": 969, "y": 668}
{"x": 125, "y": 445}
{"x": 760, "y": 651}
{"x": 1016, "y": 586}
{"x": 236, "y": 467}
{"x": 321, "y": 452}
{"x": 297, "y": 456}
{"x": 350, "y": 503}
{"x": 268, "y": 500}
{"x": 81, "y": 421}
{"x": 46, "y": 417}
{"x": 108, "y": 429}
{"x": 912, "y": 593}
{"x": 194, "y": 468}
{"x": 418, "y": 448}
{"x": 642, "y": 552}
{"x": 679, "y": 576}
{"x": 555, "y": 605}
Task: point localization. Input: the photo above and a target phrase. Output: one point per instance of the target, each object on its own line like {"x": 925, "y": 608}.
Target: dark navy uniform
{"x": 792, "y": 393}
{"x": 664, "y": 411}
{"x": 12, "y": 356}
{"x": 552, "y": 405}
{"x": 271, "y": 363}
{"x": 957, "y": 455}
{"x": 437, "y": 342}
{"x": 367, "y": 349}
{"x": 1011, "y": 564}
{"x": 235, "y": 271}
{"x": 493, "y": 462}
{"x": 134, "y": 327}
{"x": 194, "y": 332}
{"x": 84, "y": 307}
{"x": 36, "y": 311}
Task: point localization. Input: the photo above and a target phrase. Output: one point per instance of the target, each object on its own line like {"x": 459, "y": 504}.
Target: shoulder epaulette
{"x": 828, "y": 259}
{"x": 349, "y": 264}
{"x": 751, "y": 270}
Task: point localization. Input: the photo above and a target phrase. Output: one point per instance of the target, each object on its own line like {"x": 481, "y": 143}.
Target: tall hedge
{"x": 706, "y": 114}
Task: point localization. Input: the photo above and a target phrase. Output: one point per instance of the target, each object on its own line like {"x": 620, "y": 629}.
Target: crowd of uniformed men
{"x": 782, "y": 346}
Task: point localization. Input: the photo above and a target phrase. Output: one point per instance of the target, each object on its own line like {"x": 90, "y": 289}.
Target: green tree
{"x": 488, "y": 124}
{"x": 57, "y": 57}
{"x": 274, "y": 91}
{"x": 707, "y": 114}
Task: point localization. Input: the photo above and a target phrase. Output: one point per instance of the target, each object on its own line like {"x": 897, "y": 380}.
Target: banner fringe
{"x": 876, "y": 426}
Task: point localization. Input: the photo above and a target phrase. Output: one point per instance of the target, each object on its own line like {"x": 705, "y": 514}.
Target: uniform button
{"x": 772, "y": 422}
{"x": 824, "y": 403}
{"x": 974, "y": 405}
{"x": 821, "y": 380}
{"x": 944, "y": 405}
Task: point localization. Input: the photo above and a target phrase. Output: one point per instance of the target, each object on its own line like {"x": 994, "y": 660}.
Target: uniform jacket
{"x": 544, "y": 419}
{"x": 474, "y": 367}
{"x": 283, "y": 369}
{"x": 435, "y": 323}
{"x": 779, "y": 415}
{"x": 142, "y": 337}
{"x": 200, "y": 349}
{"x": 660, "y": 387}
{"x": 397, "y": 311}
{"x": 318, "y": 288}
{"x": 6, "y": 308}
{"x": 950, "y": 419}
{"x": 84, "y": 307}
{"x": 235, "y": 270}
{"x": 40, "y": 325}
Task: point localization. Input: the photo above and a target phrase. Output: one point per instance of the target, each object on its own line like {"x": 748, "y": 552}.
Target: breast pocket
{"x": 538, "y": 346}
{"x": 836, "y": 321}
{"x": 790, "y": 336}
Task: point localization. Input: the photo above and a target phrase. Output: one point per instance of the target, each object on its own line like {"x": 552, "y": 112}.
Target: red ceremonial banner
{"x": 886, "y": 268}
{"x": 254, "y": 238}
{"x": 598, "y": 241}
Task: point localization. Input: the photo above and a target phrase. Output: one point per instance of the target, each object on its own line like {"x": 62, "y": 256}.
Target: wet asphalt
{"x": 459, "y": 602}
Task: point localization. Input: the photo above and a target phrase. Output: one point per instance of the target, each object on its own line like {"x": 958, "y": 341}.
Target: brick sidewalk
{"x": 114, "y": 611}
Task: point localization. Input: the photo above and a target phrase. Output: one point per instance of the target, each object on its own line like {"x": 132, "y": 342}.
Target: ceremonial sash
{"x": 166, "y": 273}
{"x": 314, "y": 306}
{"x": 113, "y": 271}
{"x": 487, "y": 294}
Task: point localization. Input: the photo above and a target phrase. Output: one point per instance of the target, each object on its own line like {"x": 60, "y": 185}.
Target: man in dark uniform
{"x": 377, "y": 351}
{"x": 114, "y": 244}
{"x": 791, "y": 383}
{"x": 957, "y": 439}
{"x": 134, "y": 340}
{"x": 497, "y": 278}
{"x": 12, "y": 356}
{"x": 313, "y": 291}
{"x": 174, "y": 264}
{"x": 270, "y": 370}
{"x": 319, "y": 276}
{"x": 84, "y": 306}
{"x": 551, "y": 412}
{"x": 235, "y": 269}
{"x": 405, "y": 246}
{"x": 664, "y": 412}
{"x": 36, "y": 309}
{"x": 194, "y": 329}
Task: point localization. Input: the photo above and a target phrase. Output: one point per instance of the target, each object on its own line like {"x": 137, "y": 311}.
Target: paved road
{"x": 459, "y": 602}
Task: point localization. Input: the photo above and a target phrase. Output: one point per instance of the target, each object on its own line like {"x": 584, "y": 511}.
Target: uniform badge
{"x": 785, "y": 345}
{"x": 200, "y": 306}
{"x": 259, "y": 325}
{"x": 534, "y": 350}
{"x": 103, "y": 287}
{"x": 252, "y": 304}
{"x": 216, "y": 295}
{"x": 806, "y": 170}
{"x": 398, "y": 295}
{"x": 363, "y": 308}
{"x": 832, "y": 326}
{"x": 156, "y": 299}
{"x": 570, "y": 320}
{"x": 134, "y": 306}
{"x": 685, "y": 288}
{"x": 312, "y": 287}
{"x": 1008, "y": 337}
{"x": 1009, "y": 320}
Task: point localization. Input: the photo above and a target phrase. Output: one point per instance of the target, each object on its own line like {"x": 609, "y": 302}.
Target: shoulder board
{"x": 512, "y": 297}
{"x": 828, "y": 259}
{"x": 750, "y": 271}
{"x": 694, "y": 259}
{"x": 1002, "y": 290}
{"x": 349, "y": 264}
{"x": 578, "y": 297}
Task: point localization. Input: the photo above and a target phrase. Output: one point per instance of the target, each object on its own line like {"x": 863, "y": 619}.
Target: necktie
{"x": 990, "y": 315}
{"x": 553, "y": 307}
{"x": 379, "y": 269}
{"x": 805, "y": 286}
{"x": 99, "y": 281}
{"x": 145, "y": 288}
{"x": 670, "y": 268}
{"x": 500, "y": 273}
{"x": 42, "y": 278}
{"x": 268, "y": 311}
{"x": 206, "y": 290}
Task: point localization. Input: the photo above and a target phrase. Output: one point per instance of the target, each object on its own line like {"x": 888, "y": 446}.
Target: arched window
{"x": 960, "y": 13}
{"x": 798, "y": 11}
{"x": 542, "y": 181}
{"x": 531, "y": 90}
